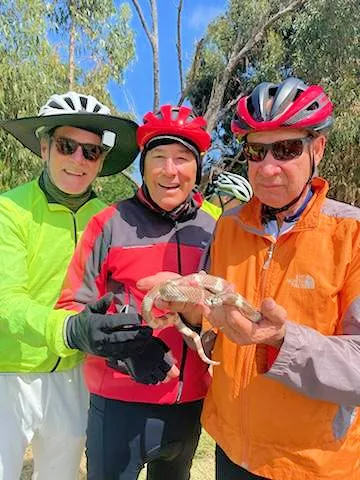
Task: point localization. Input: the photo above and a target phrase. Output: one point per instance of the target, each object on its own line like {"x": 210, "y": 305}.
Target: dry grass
{"x": 203, "y": 465}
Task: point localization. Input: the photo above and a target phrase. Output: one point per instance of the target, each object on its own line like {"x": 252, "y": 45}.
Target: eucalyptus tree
{"x": 30, "y": 70}
{"x": 96, "y": 39}
{"x": 318, "y": 41}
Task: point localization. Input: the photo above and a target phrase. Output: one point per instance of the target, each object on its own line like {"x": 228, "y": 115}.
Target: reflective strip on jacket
{"x": 299, "y": 420}
{"x": 37, "y": 241}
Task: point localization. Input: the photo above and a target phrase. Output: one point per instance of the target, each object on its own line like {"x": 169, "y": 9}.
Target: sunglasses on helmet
{"x": 68, "y": 146}
{"x": 282, "y": 150}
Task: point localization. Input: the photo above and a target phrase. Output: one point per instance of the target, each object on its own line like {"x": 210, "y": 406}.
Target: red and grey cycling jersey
{"x": 122, "y": 244}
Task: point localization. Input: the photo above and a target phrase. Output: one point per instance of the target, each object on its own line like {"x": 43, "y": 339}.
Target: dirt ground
{"x": 28, "y": 467}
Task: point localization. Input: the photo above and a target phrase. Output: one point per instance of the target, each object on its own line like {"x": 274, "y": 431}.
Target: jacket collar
{"x": 250, "y": 213}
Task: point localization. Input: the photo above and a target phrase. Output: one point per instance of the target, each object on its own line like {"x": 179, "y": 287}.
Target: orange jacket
{"x": 299, "y": 419}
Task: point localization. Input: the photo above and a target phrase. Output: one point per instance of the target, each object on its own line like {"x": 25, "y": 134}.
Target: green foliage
{"x": 325, "y": 48}
{"x": 270, "y": 59}
{"x": 113, "y": 188}
{"x": 30, "y": 71}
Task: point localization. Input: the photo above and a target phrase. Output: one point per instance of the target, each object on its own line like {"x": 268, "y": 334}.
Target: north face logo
{"x": 302, "y": 281}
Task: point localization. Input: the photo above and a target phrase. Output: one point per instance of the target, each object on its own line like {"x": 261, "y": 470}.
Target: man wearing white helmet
{"x": 227, "y": 190}
{"x": 42, "y": 396}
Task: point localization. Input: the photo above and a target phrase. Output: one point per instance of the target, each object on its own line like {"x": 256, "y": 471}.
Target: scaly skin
{"x": 195, "y": 289}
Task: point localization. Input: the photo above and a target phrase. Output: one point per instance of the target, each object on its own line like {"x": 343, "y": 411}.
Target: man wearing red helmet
{"x": 134, "y": 418}
{"x": 282, "y": 403}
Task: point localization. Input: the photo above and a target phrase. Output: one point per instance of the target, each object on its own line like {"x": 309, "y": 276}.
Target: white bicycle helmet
{"x": 72, "y": 102}
{"x": 234, "y": 185}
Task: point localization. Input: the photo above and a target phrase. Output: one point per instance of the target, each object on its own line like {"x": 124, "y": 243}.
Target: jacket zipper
{"x": 185, "y": 347}
{"x": 265, "y": 268}
{"x": 75, "y": 243}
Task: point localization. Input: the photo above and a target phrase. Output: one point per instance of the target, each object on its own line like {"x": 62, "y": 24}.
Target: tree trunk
{"x": 156, "y": 71}
{"x": 216, "y": 99}
{"x": 155, "y": 49}
{"x": 153, "y": 37}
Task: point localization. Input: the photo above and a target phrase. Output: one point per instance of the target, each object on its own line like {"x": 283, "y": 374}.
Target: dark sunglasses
{"x": 283, "y": 150}
{"x": 67, "y": 146}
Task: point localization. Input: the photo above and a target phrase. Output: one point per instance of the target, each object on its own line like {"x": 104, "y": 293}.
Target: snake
{"x": 195, "y": 289}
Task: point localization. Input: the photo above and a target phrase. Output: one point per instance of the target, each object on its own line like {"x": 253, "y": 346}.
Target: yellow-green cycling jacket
{"x": 37, "y": 241}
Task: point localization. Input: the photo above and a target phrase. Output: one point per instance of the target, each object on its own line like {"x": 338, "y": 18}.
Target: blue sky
{"x": 137, "y": 92}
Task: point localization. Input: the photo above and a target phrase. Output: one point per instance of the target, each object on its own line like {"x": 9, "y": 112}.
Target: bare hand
{"x": 270, "y": 330}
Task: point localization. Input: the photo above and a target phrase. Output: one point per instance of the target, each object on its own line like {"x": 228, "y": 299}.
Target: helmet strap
{"x": 222, "y": 205}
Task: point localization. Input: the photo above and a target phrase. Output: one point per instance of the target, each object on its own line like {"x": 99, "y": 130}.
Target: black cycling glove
{"x": 150, "y": 366}
{"x": 108, "y": 335}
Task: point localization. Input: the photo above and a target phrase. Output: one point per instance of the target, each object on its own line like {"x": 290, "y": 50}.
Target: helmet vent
{"x": 83, "y": 101}
{"x": 250, "y": 107}
{"x": 297, "y": 94}
{"x": 314, "y": 106}
{"x": 69, "y": 102}
{"x": 55, "y": 105}
{"x": 96, "y": 108}
{"x": 174, "y": 113}
{"x": 272, "y": 91}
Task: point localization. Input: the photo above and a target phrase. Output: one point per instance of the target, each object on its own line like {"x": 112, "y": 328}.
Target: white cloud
{"x": 202, "y": 15}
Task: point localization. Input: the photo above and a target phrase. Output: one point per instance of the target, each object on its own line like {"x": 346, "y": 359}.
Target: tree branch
{"x": 230, "y": 104}
{"x": 238, "y": 52}
{"x": 259, "y": 34}
{"x": 193, "y": 71}
{"x": 153, "y": 37}
{"x": 142, "y": 20}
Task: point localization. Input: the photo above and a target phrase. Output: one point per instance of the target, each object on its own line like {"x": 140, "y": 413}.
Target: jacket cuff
{"x": 293, "y": 342}
{"x": 55, "y": 328}
{"x": 272, "y": 354}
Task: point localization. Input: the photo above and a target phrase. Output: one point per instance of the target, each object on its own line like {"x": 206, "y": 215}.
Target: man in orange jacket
{"x": 283, "y": 401}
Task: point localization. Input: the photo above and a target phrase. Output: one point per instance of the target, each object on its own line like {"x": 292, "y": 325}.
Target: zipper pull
{"x": 269, "y": 256}
{"x": 180, "y": 389}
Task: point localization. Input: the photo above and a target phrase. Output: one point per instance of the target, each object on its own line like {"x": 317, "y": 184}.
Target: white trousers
{"x": 50, "y": 411}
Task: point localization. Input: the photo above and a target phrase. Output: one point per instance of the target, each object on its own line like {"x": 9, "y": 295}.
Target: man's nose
{"x": 269, "y": 165}
{"x": 169, "y": 166}
{"x": 78, "y": 155}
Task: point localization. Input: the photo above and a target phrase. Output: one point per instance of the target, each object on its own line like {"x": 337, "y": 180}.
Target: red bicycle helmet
{"x": 176, "y": 121}
{"x": 291, "y": 104}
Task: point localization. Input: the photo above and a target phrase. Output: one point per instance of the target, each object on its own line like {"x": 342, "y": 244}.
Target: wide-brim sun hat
{"x": 121, "y": 155}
